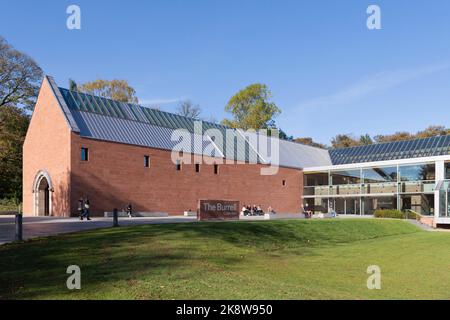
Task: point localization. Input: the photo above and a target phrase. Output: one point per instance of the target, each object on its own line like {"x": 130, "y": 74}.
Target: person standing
{"x": 87, "y": 205}
{"x": 81, "y": 208}
{"x": 129, "y": 210}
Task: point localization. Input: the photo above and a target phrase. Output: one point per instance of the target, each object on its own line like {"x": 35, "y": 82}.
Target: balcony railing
{"x": 405, "y": 187}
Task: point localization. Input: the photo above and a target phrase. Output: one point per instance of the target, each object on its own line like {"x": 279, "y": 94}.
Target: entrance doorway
{"x": 42, "y": 195}
{"x": 43, "y": 198}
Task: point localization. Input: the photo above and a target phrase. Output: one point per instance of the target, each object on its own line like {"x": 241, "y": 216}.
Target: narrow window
{"x": 284, "y": 183}
{"x": 84, "y": 154}
{"x": 178, "y": 165}
{"x": 197, "y": 167}
{"x": 216, "y": 169}
{"x": 146, "y": 161}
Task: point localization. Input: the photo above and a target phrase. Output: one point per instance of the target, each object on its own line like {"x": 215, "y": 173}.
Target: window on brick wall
{"x": 284, "y": 183}
{"x": 84, "y": 154}
{"x": 197, "y": 167}
{"x": 216, "y": 169}
{"x": 178, "y": 165}
{"x": 146, "y": 161}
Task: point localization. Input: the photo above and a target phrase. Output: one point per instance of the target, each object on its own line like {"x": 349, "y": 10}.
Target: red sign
{"x": 218, "y": 210}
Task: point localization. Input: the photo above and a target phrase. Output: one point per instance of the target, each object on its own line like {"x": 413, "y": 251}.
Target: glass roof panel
{"x": 427, "y": 147}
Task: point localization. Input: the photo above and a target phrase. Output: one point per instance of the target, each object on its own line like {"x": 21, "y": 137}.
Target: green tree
{"x": 252, "y": 109}
{"x": 118, "y": 90}
{"x": 13, "y": 127}
{"x": 73, "y": 85}
{"x": 188, "y": 109}
{"x": 365, "y": 140}
{"x": 20, "y": 77}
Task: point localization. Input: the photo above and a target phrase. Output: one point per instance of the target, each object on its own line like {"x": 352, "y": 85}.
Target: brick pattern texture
{"x": 115, "y": 174}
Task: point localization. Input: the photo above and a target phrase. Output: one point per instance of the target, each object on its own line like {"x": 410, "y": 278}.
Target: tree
{"x": 365, "y": 140}
{"x": 73, "y": 85}
{"x": 433, "y": 131}
{"x": 344, "y": 141}
{"x": 310, "y": 142}
{"x": 398, "y": 136}
{"x": 251, "y": 108}
{"x": 118, "y": 90}
{"x": 188, "y": 109}
{"x": 20, "y": 77}
{"x": 13, "y": 127}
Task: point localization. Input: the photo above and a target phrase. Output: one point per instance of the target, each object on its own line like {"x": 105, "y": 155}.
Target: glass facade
{"x": 447, "y": 170}
{"x": 364, "y": 190}
{"x": 417, "y": 172}
{"x": 444, "y": 199}
{"x": 408, "y": 149}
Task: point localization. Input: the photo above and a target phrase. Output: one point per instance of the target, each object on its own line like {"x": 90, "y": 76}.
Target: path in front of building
{"x": 48, "y": 226}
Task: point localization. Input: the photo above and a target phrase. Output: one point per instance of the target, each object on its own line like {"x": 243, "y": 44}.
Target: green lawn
{"x": 309, "y": 259}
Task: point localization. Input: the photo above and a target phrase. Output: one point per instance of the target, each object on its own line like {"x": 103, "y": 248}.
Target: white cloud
{"x": 377, "y": 82}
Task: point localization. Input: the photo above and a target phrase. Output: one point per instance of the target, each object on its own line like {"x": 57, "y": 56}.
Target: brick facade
{"x": 47, "y": 148}
{"x": 115, "y": 174}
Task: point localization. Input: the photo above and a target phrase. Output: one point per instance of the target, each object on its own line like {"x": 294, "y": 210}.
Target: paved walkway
{"x": 47, "y": 226}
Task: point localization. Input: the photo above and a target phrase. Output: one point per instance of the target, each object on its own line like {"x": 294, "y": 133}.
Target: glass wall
{"x": 364, "y": 190}
{"x": 444, "y": 200}
{"x": 417, "y": 178}
{"x": 420, "y": 203}
{"x": 380, "y": 180}
{"x": 371, "y": 204}
{"x": 316, "y": 179}
{"x": 317, "y": 205}
{"x": 316, "y": 184}
{"x": 447, "y": 170}
{"x": 379, "y": 174}
{"x": 417, "y": 172}
{"x": 346, "y": 177}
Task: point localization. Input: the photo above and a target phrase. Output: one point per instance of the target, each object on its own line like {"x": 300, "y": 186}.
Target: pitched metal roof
{"x": 417, "y": 148}
{"x": 110, "y": 120}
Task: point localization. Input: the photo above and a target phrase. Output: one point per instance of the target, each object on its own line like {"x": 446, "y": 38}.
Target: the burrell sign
{"x": 218, "y": 210}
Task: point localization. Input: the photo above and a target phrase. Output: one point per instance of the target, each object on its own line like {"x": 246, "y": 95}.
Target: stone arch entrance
{"x": 42, "y": 190}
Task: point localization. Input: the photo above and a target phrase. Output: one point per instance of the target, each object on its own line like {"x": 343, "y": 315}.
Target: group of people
{"x": 307, "y": 211}
{"x": 255, "y": 210}
{"x": 83, "y": 208}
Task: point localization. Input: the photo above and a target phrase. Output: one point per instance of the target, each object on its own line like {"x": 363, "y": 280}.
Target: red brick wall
{"x": 115, "y": 175}
{"x": 47, "y": 147}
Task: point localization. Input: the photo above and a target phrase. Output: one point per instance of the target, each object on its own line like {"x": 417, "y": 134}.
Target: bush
{"x": 8, "y": 205}
{"x": 395, "y": 214}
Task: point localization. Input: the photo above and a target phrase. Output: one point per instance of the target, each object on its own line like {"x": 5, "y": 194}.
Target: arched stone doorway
{"x": 42, "y": 190}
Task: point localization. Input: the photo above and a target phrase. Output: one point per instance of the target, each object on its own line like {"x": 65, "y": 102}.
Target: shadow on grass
{"x": 109, "y": 256}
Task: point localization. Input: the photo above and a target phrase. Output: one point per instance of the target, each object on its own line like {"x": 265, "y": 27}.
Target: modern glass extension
{"x": 362, "y": 190}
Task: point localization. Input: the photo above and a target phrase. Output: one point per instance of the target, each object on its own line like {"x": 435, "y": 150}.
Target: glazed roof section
{"x": 407, "y": 149}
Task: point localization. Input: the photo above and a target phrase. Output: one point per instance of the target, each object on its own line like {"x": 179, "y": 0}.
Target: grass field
{"x": 324, "y": 259}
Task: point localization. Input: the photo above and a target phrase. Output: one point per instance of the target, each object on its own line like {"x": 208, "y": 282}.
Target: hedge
{"x": 395, "y": 214}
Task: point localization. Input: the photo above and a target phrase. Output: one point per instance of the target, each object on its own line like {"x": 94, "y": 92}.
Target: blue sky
{"x": 328, "y": 73}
